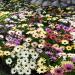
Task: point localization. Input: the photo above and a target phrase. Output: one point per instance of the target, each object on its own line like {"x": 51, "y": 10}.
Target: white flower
{"x": 31, "y": 51}
{"x": 34, "y": 44}
{"x": 28, "y": 39}
{"x": 35, "y": 35}
{"x": 19, "y": 61}
{"x": 18, "y": 66}
{"x": 32, "y": 65}
{"x": 19, "y": 54}
{"x": 26, "y": 44}
{"x": 41, "y": 46}
{"x": 25, "y": 54}
{"x": 35, "y": 55}
{"x": 11, "y": 32}
{"x": 32, "y": 60}
{"x": 24, "y": 60}
{"x": 27, "y": 71}
{"x": 20, "y": 71}
{"x": 13, "y": 71}
{"x": 19, "y": 32}
{"x": 39, "y": 50}
{"x": 8, "y": 61}
{"x": 17, "y": 48}
{"x": 25, "y": 49}
{"x": 25, "y": 66}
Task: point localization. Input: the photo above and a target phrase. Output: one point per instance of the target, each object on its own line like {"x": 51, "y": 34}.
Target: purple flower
{"x": 68, "y": 67}
{"x": 53, "y": 58}
{"x": 48, "y": 30}
{"x": 59, "y": 27}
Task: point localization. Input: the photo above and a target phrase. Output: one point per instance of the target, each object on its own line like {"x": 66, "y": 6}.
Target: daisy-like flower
{"x": 34, "y": 44}
{"x": 35, "y": 55}
{"x": 69, "y": 48}
{"x": 42, "y": 41}
{"x": 39, "y": 50}
{"x": 41, "y": 61}
{"x": 13, "y": 71}
{"x": 17, "y": 48}
{"x": 8, "y": 61}
{"x": 55, "y": 45}
{"x": 18, "y": 32}
{"x": 27, "y": 71}
{"x": 25, "y": 65}
{"x": 24, "y": 60}
{"x": 26, "y": 44}
{"x": 20, "y": 71}
{"x": 1, "y": 53}
{"x": 42, "y": 35}
{"x": 68, "y": 66}
{"x": 58, "y": 71}
{"x": 65, "y": 42}
{"x": 7, "y": 53}
{"x": 17, "y": 66}
{"x": 40, "y": 46}
{"x": 42, "y": 69}
{"x": 28, "y": 39}
{"x": 35, "y": 35}
{"x": 25, "y": 53}
{"x": 19, "y": 60}
{"x": 32, "y": 65}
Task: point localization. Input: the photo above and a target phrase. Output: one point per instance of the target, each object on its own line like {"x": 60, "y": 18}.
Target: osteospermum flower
{"x": 68, "y": 66}
{"x": 65, "y": 42}
{"x": 58, "y": 71}
{"x": 68, "y": 48}
{"x": 8, "y": 61}
{"x": 42, "y": 69}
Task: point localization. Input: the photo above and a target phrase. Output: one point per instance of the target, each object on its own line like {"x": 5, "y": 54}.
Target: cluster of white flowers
{"x": 25, "y": 60}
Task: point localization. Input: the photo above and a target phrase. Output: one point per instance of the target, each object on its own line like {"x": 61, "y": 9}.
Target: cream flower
{"x": 40, "y": 46}
{"x": 42, "y": 69}
{"x": 7, "y": 53}
{"x": 28, "y": 39}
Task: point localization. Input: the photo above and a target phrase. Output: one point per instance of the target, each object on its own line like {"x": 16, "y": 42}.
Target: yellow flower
{"x": 73, "y": 46}
{"x": 42, "y": 69}
{"x": 1, "y": 53}
{"x": 66, "y": 62}
{"x": 65, "y": 42}
{"x": 6, "y": 53}
{"x": 41, "y": 61}
{"x": 68, "y": 48}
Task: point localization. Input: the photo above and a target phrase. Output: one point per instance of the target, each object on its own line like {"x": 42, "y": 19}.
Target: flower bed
{"x": 38, "y": 41}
